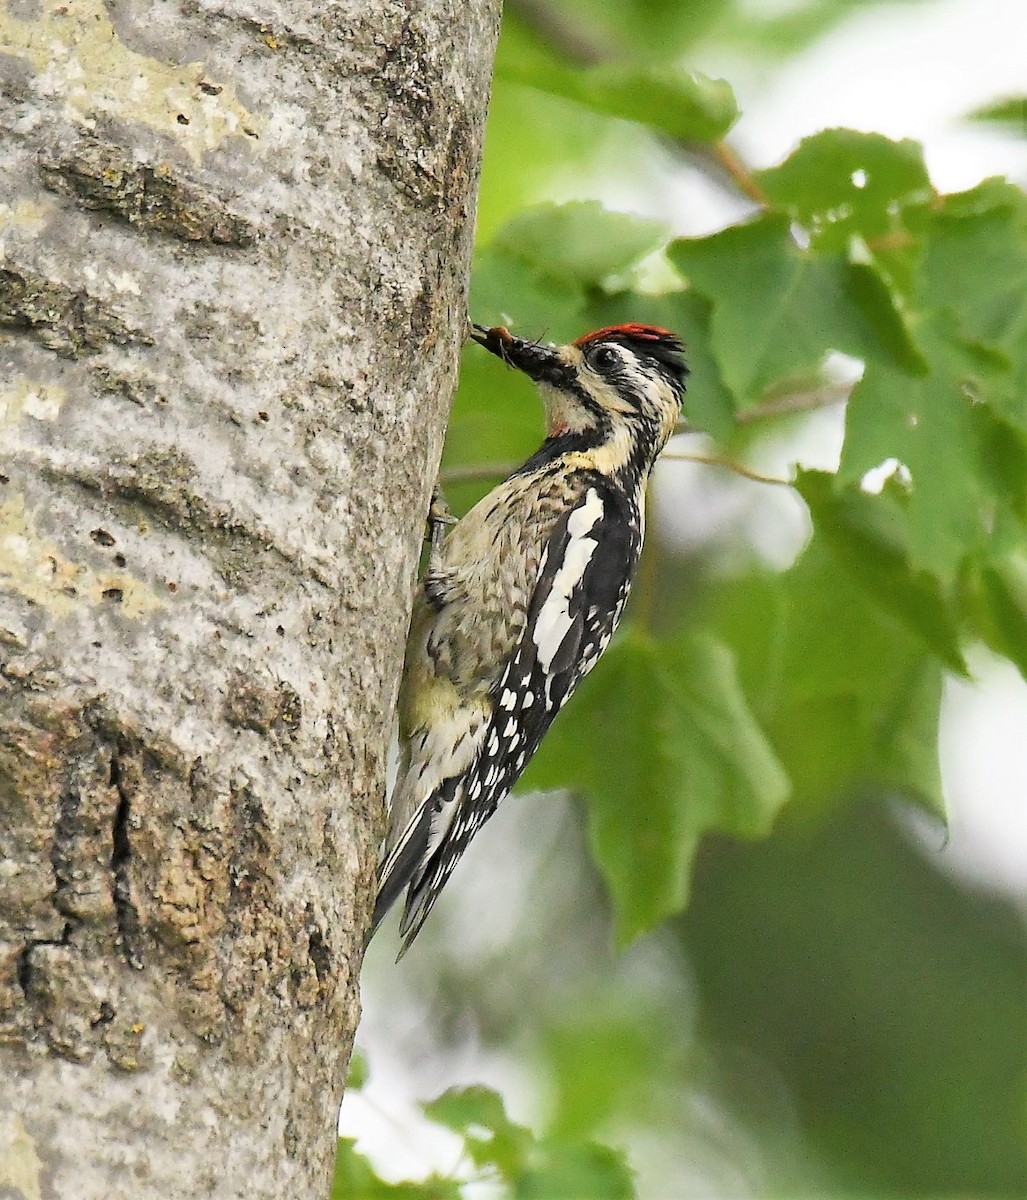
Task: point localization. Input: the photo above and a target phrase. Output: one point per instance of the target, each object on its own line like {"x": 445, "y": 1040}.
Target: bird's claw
{"x": 439, "y": 517}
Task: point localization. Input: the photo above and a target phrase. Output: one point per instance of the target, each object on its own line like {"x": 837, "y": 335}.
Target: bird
{"x": 522, "y": 595}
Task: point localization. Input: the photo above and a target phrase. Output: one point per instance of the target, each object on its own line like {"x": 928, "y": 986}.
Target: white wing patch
{"x": 440, "y": 823}
{"x": 554, "y": 619}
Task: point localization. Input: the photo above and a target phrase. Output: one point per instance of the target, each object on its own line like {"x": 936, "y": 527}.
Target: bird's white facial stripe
{"x": 641, "y": 379}
{"x": 607, "y": 395}
{"x": 554, "y": 619}
{"x": 649, "y": 391}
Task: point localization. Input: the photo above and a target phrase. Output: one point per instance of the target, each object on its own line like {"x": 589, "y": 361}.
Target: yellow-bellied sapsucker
{"x": 523, "y": 595}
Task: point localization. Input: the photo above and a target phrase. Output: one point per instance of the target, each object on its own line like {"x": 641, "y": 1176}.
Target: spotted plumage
{"x": 523, "y": 596}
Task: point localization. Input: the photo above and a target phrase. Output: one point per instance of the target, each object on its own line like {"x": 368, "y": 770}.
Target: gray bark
{"x": 234, "y": 240}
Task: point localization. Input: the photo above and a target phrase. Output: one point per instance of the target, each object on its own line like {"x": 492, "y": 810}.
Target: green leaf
{"x": 975, "y": 268}
{"x": 358, "y": 1072}
{"x": 461, "y": 1107}
{"x": 479, "y": 1116}
{"x": 950, "y": 425}
{"x": 647, "y": 28}
{"x": 1011, "y": 112}
{"x": 880, "y": 303}
{"x": 661, "y": 95}
{"x": 842, "y": 184}
{"x": 975, "y": 262}
{"x": 905, "y": 751}
{"x": 550, "y": 1168}
{"x": 606, "y": 1062}
{"x": 779, "y": 310}
{"x": 512, "y": 289}
{"x": 580, "y": 243}
{"x": 530, "y": 139}
{"x": 689, "y": 757}
{"x": 928, "y": 424}
{"x": 637, "y": 803}
{"x": 739, "y": 784}
{"x": 685, "y": 104}
{"x": 865, "y": 537}
{"x": 844, "y": 689}
{"x": 991, "y": 193}
{"x": 945, "y": 365}
{"x": 356, "y": 1179}
{"x": 568, "y": 1171}
{"x": 998, "y": 597}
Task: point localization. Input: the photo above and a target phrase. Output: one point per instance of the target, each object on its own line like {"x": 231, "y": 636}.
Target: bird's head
{"x": 619, "y": 387}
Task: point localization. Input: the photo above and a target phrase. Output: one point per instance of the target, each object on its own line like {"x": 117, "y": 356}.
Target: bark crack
{"x": 167, "y": 491}
{"x": 24, "y": 970}
{"x": 126, "y": 915}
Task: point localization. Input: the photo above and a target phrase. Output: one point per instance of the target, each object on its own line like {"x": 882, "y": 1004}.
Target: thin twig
{"x": 485, "y": 472}
{"x": 729, "y": 464}
{"x": 783, "y": 406}
{"x": 796, "y": 402}
{"x": 477, "y": 473}
{"x": 735, "y": 169}
{"x": 571, "y": 39}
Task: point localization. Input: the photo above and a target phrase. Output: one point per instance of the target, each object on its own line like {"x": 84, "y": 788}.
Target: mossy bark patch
{"x": 66, "y": 320}
{"x": 151, "y": 196}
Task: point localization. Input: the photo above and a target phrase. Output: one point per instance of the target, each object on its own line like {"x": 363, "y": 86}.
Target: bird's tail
{"x": 420, "y": 861}
{"x": 402, "y": 863}
{"x": 423, "y": 893}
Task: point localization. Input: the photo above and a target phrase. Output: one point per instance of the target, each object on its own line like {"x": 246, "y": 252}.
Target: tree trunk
{"x": 234, "y": 241}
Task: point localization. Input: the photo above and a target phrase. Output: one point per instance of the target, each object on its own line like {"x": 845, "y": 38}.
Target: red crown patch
{"x": 632, "y": 332}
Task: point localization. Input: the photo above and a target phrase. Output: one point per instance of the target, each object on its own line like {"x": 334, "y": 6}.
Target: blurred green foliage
{"x": 677, "y": 735}
{"x": 1011, "y": 113}
{"x": 887, "y": 1003}
{"x": 498, "y": 1151}
{"x": 897, "y": 1017}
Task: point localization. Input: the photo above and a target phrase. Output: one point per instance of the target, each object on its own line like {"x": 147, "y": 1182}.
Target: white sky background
{"x": 906, "y": 71}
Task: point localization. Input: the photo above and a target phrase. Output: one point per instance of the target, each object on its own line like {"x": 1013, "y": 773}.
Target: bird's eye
{"x": 605, "y": 357}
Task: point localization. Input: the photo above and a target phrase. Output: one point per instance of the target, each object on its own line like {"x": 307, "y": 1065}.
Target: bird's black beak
{"x": 538, "y": 362}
